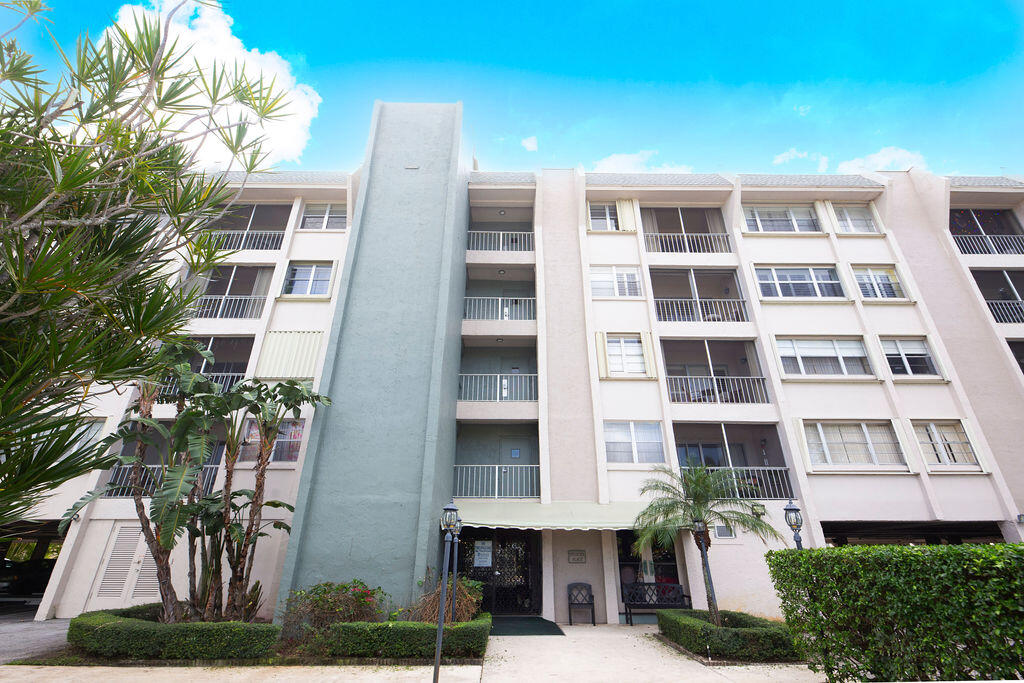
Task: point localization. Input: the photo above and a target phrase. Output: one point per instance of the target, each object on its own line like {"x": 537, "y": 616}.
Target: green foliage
{"x": 311, "y": 611}
{"x": 130, "y": 634}
{"x": 741, "y": 637}
{"x": 905, "y": 612}
{"x": 413, "y": 639}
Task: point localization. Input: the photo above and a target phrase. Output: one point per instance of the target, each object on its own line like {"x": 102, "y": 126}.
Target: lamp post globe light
{"x": 795, "y": 521}
{"x": 450, "y": 524}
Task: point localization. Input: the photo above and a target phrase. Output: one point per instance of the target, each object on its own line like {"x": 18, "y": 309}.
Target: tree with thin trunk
{"x": 101, "y": 201}
{"x": 698, "y": 495}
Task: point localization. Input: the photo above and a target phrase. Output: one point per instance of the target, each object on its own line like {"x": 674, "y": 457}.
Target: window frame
{"x": 754, "y": 208}
{"x": 845, "y": 206}
{"x": 901, "y": 353}
{"x": 813, "y": 281}
{"x": 253, "y": 447}
{"x": 326, "y": 217}
{"x": 870, "y": 445}
{"x": 936, "y": 441}
{"x": 876, "y": 286}
{"x": 615, "y": 272}
{"x": 633, "y": 441}
{"x": 623, "y": 356}
{"x": 611, "y": 216}
{"x": 316, "y": 265}
{"x": 839, "y": 356}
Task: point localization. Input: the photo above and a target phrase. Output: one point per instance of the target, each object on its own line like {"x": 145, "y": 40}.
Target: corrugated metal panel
{"x": 289, "y": 355}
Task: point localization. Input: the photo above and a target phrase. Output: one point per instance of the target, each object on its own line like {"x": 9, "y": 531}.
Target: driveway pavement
{"x": 20, "y": 636}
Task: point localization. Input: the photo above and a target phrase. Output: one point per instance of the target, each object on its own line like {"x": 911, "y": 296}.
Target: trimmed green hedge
{"x": 412, "y": 639}
{"x": 906, "y": 612}
{"x": 741, "y": 637}
{"x": 133, "y": 633}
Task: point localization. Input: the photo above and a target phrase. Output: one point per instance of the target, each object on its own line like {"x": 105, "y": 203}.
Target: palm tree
{"x": 697, "y": 498}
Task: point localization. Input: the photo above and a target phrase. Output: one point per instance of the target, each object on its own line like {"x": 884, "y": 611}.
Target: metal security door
{"x": 512, "y": 580}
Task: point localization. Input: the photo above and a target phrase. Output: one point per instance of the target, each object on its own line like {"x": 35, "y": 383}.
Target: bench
{"x": 653, "y": 596}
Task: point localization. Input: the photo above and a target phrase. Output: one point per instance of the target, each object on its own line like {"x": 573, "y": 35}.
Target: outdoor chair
{"x": 581, "y": 596}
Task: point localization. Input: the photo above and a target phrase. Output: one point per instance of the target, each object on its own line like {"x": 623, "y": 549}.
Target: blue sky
{"x": 732, "y": 87}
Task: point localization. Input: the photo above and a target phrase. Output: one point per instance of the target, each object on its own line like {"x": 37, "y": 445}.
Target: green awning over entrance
{"x": 499, "y": 514}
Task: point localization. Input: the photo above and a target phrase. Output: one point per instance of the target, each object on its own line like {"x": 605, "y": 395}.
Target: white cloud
{"x": 822, "y": 163}
{"x": 530, "y": 143}
{"x": 636, "y": 163}
{"x": 802, "y": 109}
{"x": 789, "y": 155}
{"x": 885, "y": 159}
{"x": 207, "y": 29}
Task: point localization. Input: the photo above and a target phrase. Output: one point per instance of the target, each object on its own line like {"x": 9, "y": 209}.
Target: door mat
{"x": 524, "y": 626}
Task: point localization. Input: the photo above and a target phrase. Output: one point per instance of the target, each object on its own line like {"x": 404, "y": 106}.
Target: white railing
{"x": 226, "y": 380}
{"x": 759, "y": 483}
{"x": 121, "y": 480}
{"x": 990, "y": 244}
{"x": 500, "y": 308}
{"x": 235, "y": 240}
{"x": 697, "y": 243}
{"x": 215, "y": 306}
{"x": 496, "y": 240}
{"x": 709, "y": 310}
{"x": 1011, "y": 311}
{"x": 513, "y": 387}
{"x": 497, "y": 481}
{"x": 717, "y": 390}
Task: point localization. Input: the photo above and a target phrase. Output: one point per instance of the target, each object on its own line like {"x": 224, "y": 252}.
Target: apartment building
{"x": 533, "y": 344}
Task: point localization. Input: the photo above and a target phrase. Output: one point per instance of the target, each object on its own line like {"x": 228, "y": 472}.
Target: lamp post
{"x": 455, "y": 562}
{"x": 795, "y": 520}
{"x": 449, "y": 520}
{"x": 700, "y": 527}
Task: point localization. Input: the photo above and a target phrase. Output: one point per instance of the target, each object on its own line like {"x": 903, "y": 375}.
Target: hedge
{"x": 904, "y": 612}
{"x": 741, "y": 637}
{"x": 407, "y": 639}
{"x": 133, "y": 633}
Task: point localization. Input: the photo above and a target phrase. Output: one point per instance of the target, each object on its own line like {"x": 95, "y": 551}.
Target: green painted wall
{"x": 379, "y": 463}
{"x": 478, "y": 444}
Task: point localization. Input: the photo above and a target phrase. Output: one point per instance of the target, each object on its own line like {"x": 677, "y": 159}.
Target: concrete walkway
{"x": 20, "y": 636}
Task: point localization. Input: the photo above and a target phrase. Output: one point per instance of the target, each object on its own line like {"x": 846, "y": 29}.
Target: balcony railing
{"x": 497, "y": 481}
{"x": 500, "y": 308}
{"x": 213, "y": 306}
{"x": 226, "y": 380}
{"x": 692, "y": 243}
{"x": 262, "y": 240}
{"x": 990, "y": 244}
{"x": 1011, "y": 311}
{"x": 717, "y": 390}
{"x": 759, "y": 483}
{"x": 121, "y": 480}
{"x": 707, "y": 310}
{"x": 494, "y": 240}
{"x": 513, "y": 387}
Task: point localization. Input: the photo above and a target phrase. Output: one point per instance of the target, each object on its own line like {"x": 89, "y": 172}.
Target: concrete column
{"x": 610, "y": 557}
{"x": 547, "y": 576}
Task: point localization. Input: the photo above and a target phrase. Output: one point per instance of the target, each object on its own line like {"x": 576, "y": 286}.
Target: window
{"x": 855, "y": 218}
{"x": 824, "y": 357}
{"x": 853, "y": 443}
{"x": 311, "y": 279}
{"x": 323, "y": 217}
{"x": 286, "y": 448}
{"x": 794, "y": 282}
{"x": 724, "y": 531}
{"x": 629, "y": 564}
{"x": 603, "y": 217}
{"x": 908, "y": 357}
{"x": 781, "y": 219}
{"x": 878, "y": 283}
{"x": 633, "y": 442}
{"x": 614, "y": 281}
{"x": 945, "y": 443}
{"x": 626, "y": 355}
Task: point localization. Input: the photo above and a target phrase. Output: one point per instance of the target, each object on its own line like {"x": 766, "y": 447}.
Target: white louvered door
{"x": 128, "y": 573}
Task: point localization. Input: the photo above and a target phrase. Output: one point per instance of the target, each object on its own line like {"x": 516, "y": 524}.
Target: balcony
{"x": 713, "y": 372}
{"x": 759, "y": 483}
{"x": 497, "y": 481}
{"x": 259, "y": 240}
{"x": 497, "y": 388}
{"x": 697, "y": 296}
{"x": 1007, "y": 311}
{"x": 226, "y": 380}
{"x": 121, "y": 480}
{"x": 684, "y": 230}
{"x": 498, "y": 380}
{"x": 495, "y": 240}
{"x": 231, "y": 358}
{"x": 500, "y": 308}
{"x": 234, "y": 307}
{"x": 750, "y": 453}
{"x": 235, "y": 292}
{"x": 1002, "y": 291}
{"x": 986, "y": 231}
{"x": 717, "y": 389}
{"x": 252, "y": 226}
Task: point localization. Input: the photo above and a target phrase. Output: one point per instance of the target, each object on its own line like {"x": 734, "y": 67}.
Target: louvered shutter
{"x": 627, "y": 217}
{"x": 289, "y": 355}
{"x": 602, "y": 355}
{"x": 648, "y": 346}
{"x": 119, "y": 562}
{"x": 146, "y": 586}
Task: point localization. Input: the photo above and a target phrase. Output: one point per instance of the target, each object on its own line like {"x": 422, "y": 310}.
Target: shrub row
{"x": 407, "y": 639}
{"x": 133, "y": 634}
{"x": 741, "y": 637}
{"x": 904, "y": 612}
